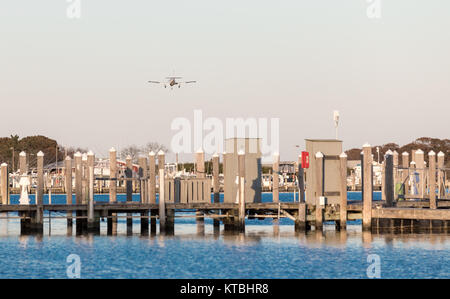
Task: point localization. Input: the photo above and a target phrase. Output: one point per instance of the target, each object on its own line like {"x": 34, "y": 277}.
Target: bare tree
{"x": 132, "y": 150}
{"x": 135, "y": 151}
{"x": 155, "y": 147}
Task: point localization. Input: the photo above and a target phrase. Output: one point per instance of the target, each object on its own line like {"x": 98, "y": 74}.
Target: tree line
{"x": 426, "y": 144}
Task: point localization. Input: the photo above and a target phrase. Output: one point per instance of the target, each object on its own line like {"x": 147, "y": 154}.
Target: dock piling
{"x": 129, "y": 189}
{"x": 152, "y": 188}
{"x": 216, "y": 187}
{"x": 241, "y": 170}
{"x": 367, "y": 187}
{"x": 432, "y": 179}
{"x": 343, "y": 191}
{"x": 68, "y": 186}
{"x": 4, "y": 183}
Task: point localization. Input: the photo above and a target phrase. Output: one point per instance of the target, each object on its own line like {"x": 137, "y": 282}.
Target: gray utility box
{"x": 331, "y": 149}
{"x": 253, "y": 169}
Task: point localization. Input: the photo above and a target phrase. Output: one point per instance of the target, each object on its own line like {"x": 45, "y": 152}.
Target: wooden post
{"x": 441, "y": 171}
{"x": 161, "y": 160}
{"x": 162, "y": 204}
{"x": 301, "y": 181}
{"x": 432, "y": 179}
{"x": 152, "y": 177}
{"x": 420, "y": 164}
{"x": 405, "y": 172}
{"x": 383, "y": 180}
{"x": 241, "y": 169}
{"x": 78, "y": 189}
{"x": 91, "y": 219}
{"x": 68, "y": 186}
{"x": 389, "y": 179}
{"x": 319, "y": 191}
{"x": 216, "y": 187}
{"x": 113, "y": 175}
{"x": 152, "y": 188}
{"x": 129, "y": 177}
{"x": 275, "y": 177}
{"x": 23, "y": 167}
{"x": 143, "y": 173}
{"x": 200, "y": 173}
{"x": 84, "y": 179}
{"x": 4, "y": 183}
{"x": 112, "y": 220}
{"x": 367, "y": 187}
{"x": 300, "y": 223}
{"x": 129, "y": 188}
{"x": 343, "y": 192}
{"x": 412, "y": 167}
{"x": 38, "y": 222}
{"x": 143, "y": 187}
{"x": 162, "y": 199}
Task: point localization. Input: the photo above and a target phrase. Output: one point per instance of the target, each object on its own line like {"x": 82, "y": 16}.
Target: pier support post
{"x": 68, "y": 186}
{"x": 143, "y": 175}
{"x": 200, "y": 173}
{"x": 162, "y": 204}
{"x": 84, "y": 179}
{"x": 367, "y": 187}
{"x": 216, "y": 187}
{"x": 300, "y": 223}
{"x": 78, "y": 190}
{"x": 319, "y": 191}
{"x": 129, "y": 188}
{"x": 389, "y": 179}
{"x": 432, "y": 179}
{"x": 241, "y": 169}
{"x": 275, "y": 177}
{"x": 343, "y": 191}
{"x": 23, "y": 166}
{"x": 4, "y": 183}
{"x": 144, "y": 223}
{"x": 37, "y": 222}
{"x": 162, "y": 199}
{"x": 152, "y": 188}
{"x": 441, "y": 171}
{"x": 112, "y": 220}
{"x": 112, "y": 175}
{"x": 301, "y": 181}
{"x": 93, "y": 222}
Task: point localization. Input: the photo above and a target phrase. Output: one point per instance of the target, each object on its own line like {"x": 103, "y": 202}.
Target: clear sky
{"x": 83, "y": 81}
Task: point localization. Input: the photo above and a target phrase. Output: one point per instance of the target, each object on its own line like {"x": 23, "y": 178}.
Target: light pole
{"x": 336, "y": 121}
{"x": 378, "y": 152}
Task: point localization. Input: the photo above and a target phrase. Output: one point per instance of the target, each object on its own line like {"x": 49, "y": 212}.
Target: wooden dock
{"x": 199, "y": 198}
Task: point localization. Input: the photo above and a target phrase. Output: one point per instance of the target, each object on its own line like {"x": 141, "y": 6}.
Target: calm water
{"x": 264, "y": 252}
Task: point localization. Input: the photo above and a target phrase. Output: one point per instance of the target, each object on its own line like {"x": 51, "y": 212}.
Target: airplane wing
{"x": 156, "y": 82}
{"x": 190, "y": 82}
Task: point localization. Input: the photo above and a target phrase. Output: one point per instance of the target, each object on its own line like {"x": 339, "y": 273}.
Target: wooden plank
{"x": 190, "y": 186}
{"x": 195, "y": 191}
{"x": 411, "y": 213}
{"x": 184, "y": 195}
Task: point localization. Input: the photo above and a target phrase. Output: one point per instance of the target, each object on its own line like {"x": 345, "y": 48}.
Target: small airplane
{"x": 172, "y": 81}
